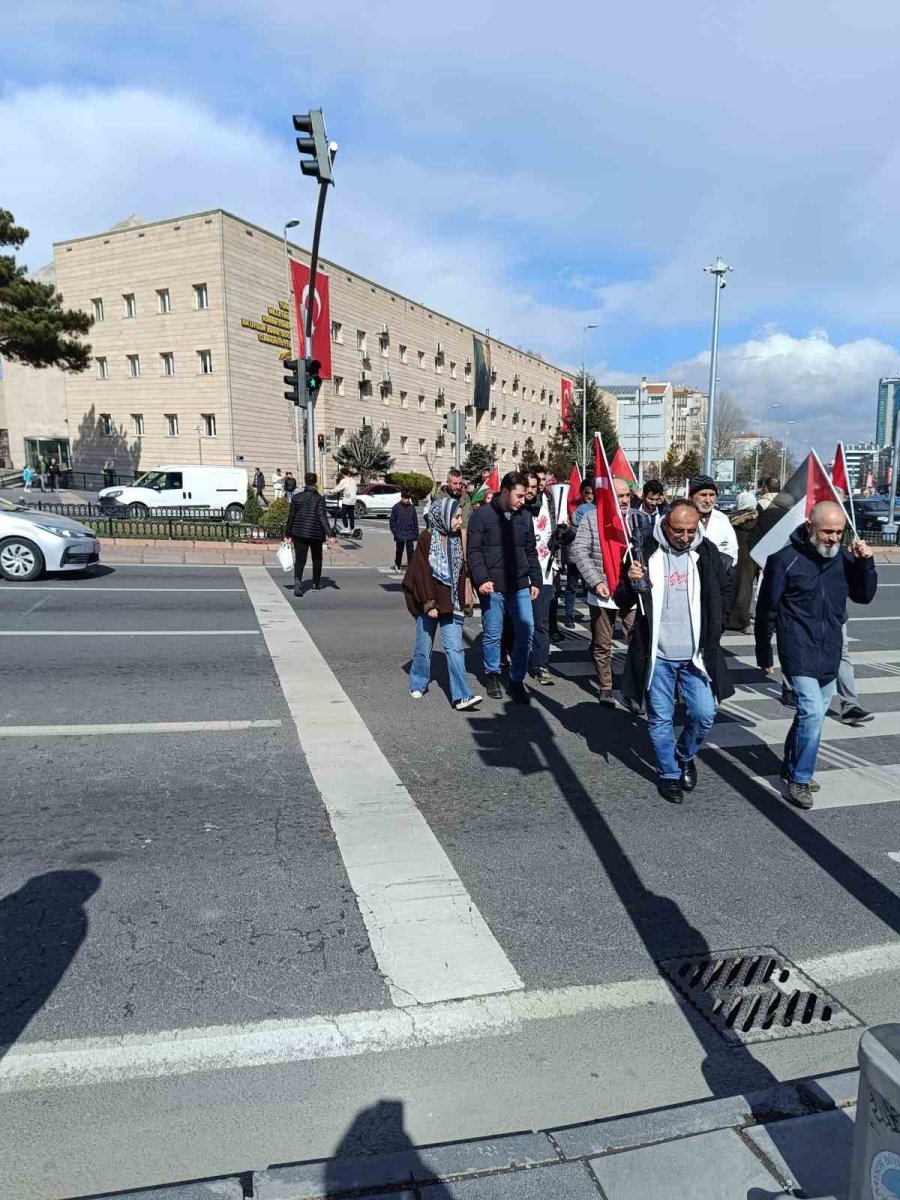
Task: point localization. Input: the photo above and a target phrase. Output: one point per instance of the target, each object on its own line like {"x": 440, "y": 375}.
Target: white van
{"x": 177, "y": 486}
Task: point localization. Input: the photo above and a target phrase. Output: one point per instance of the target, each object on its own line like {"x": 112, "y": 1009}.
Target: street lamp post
{"x": 584, "y": 449}
{"x": 718, "y": 270}
{"x": 293, "y": 316}
{"x": 758, "y": 438}
{"x": 640, "y": 403}
{"x": 784, "y": 444}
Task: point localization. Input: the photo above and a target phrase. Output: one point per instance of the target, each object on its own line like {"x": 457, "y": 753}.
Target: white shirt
{"x": 348, "y": 488}
{"x": 721, "y": 533}
{"x": 278, "y": 484}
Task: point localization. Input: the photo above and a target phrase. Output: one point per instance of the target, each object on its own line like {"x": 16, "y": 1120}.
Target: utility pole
{"x": 718, "y": 270}
{"x": 293, "y": 310}
{"x": 640, "y": 404}
{"x": 891, "y": 527}
{"x": 584, "y": 447}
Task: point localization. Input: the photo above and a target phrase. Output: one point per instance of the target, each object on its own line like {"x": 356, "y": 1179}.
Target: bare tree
{"x": 730, "y": 422}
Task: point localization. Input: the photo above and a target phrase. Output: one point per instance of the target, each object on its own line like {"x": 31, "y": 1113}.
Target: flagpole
{"x": 849, "y": 489}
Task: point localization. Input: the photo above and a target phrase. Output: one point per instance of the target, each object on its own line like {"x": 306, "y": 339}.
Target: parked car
{"x": 871, "y": 513}
{"x": 181, "y": 486}
{"x": 32, "y": 542}
{"x": 374, "y": 500}
{"x": 727, "y": 502}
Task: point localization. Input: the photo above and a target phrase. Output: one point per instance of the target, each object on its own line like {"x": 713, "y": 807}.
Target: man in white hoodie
{"x": 714, "y": 524}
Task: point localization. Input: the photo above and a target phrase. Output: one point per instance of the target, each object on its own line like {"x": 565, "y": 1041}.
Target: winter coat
{"x": 720, "y": 532}
{"x": 465, "y": 504}
{"x": 308, "y": 517}
{"x": 709, "y": 616}
{"x": 744, "y": 524}
{"x": 803, "y": 598}
{"x": 404, "y": 522}
{"x": 585, "y": 553}
{"x": 502, "y": 549}
{"x": 423, "y": 592}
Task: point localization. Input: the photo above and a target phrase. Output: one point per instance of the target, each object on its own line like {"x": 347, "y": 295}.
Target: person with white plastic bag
{"x": 308, "y": 528}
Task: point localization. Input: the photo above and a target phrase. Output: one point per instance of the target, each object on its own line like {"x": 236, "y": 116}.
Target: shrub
{"x": 418, "y": 486}
{"x": 274, "y": 520}
{"x": 253, "y": 510}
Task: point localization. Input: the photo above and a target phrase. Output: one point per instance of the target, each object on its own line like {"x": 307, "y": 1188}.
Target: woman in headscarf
{"x": 438, "y": 593}
{"x": 744, "y": 523}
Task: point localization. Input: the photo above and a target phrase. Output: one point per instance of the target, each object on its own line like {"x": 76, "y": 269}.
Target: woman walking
{"x": 438, "y": 593}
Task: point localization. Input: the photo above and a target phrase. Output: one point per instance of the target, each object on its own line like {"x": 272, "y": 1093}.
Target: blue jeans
{"x": 451, "y": 640}
{"x": 811, "y": 700}
{"x": 700, "y": 710}
{"x": 518, "y": 605}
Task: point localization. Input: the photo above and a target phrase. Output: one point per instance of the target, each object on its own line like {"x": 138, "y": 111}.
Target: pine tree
{"x": 599, "y": 420}
{"x": 529, "y": 455}
{"x": 560, "y": 459}
{"x": 477, "y": 459}
{"x": 253, "y": 510}
{"x": 33, "y": 322}
{"x": 690, "y": 465}
{"x": 363, "y": 455}
{"x": 670, "y": 472}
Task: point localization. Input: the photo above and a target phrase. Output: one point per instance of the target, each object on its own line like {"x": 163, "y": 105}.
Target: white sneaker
{"x": 417, "y": 695}
{"x": 469, "y": 702}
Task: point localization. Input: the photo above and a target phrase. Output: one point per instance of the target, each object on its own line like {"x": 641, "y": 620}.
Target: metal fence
{"x": 173, "y": 529}
{"x": 83, "y": 511}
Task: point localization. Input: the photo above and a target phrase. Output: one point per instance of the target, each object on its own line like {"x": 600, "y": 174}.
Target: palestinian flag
{"x": 806, "y": 487}
{"x": 610, "y": 527}
{"x": 491, "y": 484}
{"x": 574, "y": 490}
{"x": 621, "y": 468}
{"x": 841, "y": 479}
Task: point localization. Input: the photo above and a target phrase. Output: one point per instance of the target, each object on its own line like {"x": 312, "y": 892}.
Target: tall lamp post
{"x": 642, "y": 387}
{"x": 584, "y": 449}
{"x": 293, "y": 315}
{"x": 784, "y": 445}
{"x": 758, "y": 438}
{"x": 718, "y": 270}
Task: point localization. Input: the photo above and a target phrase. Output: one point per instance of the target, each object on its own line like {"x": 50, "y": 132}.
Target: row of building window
{"x": 166, "y": 364}
{"x": 440, "y": 445}
{"x": 163, "y": 302}
{"x": 206, "y": 428}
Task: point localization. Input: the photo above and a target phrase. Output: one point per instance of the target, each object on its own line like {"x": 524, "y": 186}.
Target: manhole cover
{"x": 755, "y": 995}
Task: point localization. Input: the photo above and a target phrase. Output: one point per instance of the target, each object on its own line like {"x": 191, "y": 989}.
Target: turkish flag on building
{"x": 610, "y": 526}
{"x": 622, "y": 467}
{"x": 565, "y": 401}
{"x": 321, "y": 328}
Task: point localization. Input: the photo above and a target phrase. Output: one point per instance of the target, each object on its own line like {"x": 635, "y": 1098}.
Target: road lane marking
{"x": 894, "y": 618}
{"x": 740, "y": 662}
{"x": 846, "y": 787}
{"x": 430, "y": 941}
{"x": 27, "y": 731}
{"x": 895, "y": 855}
{"x": 76, "y": 589}
{"x": 773, "y": 731}
{"x": 129, "y": 633}
{"x": 873, "y": 685}
{"x": 29, "y": 1066}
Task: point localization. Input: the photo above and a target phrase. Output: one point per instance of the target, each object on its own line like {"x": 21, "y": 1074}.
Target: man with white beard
{"x": 803, "y": 598}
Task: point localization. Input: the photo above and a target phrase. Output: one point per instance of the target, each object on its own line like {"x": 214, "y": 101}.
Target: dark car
{"x": 727, "y": 502}
{"x": 871, "y": 513}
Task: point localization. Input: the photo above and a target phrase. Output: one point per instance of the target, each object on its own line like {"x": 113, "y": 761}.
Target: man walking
{"x": 259, "y": 485}
{"x": 504, "y": 568}
{"x": 53, "y": 474}
{"x": 585, "y": 504}
{"x": 404, "y": 525}
{"x": 455, "y": 488}
{"x": 308, "y": 528}
{"x": 587, "y": 556}
{"x": 674, "y": 647}
{"x": 803, "y": 598}
{"x": 713, "y": 524}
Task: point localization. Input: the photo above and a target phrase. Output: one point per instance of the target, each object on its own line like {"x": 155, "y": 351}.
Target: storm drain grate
{"x": 755, "y": 995}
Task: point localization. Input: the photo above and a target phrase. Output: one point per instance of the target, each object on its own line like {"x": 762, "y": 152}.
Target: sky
{"x": 528, "y": 170}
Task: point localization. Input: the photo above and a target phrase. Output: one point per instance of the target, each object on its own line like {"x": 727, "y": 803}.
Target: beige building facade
{"x": 191, "y": 324}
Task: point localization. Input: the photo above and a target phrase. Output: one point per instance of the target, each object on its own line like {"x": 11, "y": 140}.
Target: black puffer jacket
{"x": 308, "y": 517}
{"x": 502, "y": 549}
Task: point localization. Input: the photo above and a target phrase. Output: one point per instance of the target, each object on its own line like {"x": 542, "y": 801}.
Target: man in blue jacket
{"x": 803, "y": 598}
{"x": 404, "y": 526}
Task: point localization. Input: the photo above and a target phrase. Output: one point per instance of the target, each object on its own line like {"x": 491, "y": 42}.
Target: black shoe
{"x": 518, "y": 693}
{"x": 317, "y": 587}
{"x": 670, "y": 789}
{"x": 607, "y": 698}
{"x": 494, "y": 687}
{"x": 856, "y": 716}
{"x": 634, "y": 707}
{"x": 688, "y": 775}
{"x": 569, "y": 622}
{"x": 298, "y": 589}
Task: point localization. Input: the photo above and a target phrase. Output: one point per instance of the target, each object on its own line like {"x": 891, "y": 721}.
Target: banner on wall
{"x": 481, "y": 356}
{"x": 565, "y": 401}
{"x": 321, "y": 328}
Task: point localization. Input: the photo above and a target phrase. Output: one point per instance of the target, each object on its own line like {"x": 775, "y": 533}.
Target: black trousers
{"x": 348, "y": 515}
{"x": 398, "y": 556}
{"x": 302, "y": 546}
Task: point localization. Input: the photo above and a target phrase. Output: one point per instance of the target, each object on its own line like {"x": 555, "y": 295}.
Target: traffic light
{"x": 313, "y": 378}
{"x": 449, "y": 420}
{"x": 321, "y": 441}
{"x": 316, "y": 144}
{"x": 292, "y": 378}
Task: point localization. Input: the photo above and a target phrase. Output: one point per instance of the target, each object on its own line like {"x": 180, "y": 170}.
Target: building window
{"x": 338, "y": 436}
{"x": 137, "y": 424}
{"x": 361, "y": 340}
{"x": 339, "y": 385}
{"x": 453, "y": 370}
{"x": 404, "y": 400}
{"x": 421, "y": 354}
{"x": 439, "y": 364}
{"x": 421, "y": 403}
{"x": 421, "y": 445}
{"x": 130, "y": 304}
{"x": 102, "y": 368}
{"x": 98, "y": 308}
{"x": 503, "y": 387}
{"x": 468, "y": 372}
{"x": 337, "y": 332}
{"x": 503, "y": 454}
{"x": 172, "y": 424}
{"x": 209, "y": 424}
{"x": 204, "y": 358}
{"x": 404, "y": 444}
{"x": 168, "y": 363}
{"x": 164, "y": 304}
{"x": 134, "y": 365}
{"x": 106, "y": 425}
{"x": 201, "y": 296}
{"x": 384, "y": 343}
{"x": 403, "y": 354}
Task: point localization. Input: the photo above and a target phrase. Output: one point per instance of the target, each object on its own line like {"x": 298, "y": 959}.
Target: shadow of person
{"x": 42, "y": 926}
{"x": 376, "y": 1151}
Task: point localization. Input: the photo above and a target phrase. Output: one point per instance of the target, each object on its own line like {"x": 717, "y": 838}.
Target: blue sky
{"x": 529, "y": 170}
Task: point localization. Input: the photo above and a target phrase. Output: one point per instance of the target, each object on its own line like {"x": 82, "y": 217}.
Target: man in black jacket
{"x": 803, "y": 598}
{"x": 308, "y": 528}
{"x": 404, "y": 525}
{"x": 674, "y": 645}
{"x": 504, "y": 568}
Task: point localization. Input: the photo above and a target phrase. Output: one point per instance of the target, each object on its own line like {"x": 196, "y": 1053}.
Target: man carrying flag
{"x": 803, "y": 598}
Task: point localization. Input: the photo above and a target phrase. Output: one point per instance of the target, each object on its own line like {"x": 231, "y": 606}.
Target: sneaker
{"x": 544, "y": 678}
{"x": 518, "y": 693}
{"x": 607, "y": 698}
{"x": 494, "y": 687}
{"x": 856, "y": 716}
{"x": 417, "y": 695}
{"x": 800, "y": 795}
{"x": 569, "y": 622}
{"x": 813, "y": 786}
{"x": 469, "y": 702}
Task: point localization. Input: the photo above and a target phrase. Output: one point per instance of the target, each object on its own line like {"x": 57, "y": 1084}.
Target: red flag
{"x": 841, "y": 479}
{"x": 321, "y": 328}
{"x": 622, "y": 467}
{"x": 565, "y": 402}
{"x": 574, "y": 490}
{"x": 610, "y": 525}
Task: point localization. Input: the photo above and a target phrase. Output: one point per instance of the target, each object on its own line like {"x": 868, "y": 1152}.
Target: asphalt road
{"x": 189, "y": 897}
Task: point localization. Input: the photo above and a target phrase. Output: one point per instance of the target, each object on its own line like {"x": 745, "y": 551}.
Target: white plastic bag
{"x": 286, "y": 557}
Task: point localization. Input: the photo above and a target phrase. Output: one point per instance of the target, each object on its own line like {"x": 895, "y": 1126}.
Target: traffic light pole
{"x": 310, "y": 309}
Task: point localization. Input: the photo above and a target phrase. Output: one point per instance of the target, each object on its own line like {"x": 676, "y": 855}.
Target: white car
{"x": 178, "y": 486}
{"x": 376, "y": 500}
{"x": 32, "y": 542}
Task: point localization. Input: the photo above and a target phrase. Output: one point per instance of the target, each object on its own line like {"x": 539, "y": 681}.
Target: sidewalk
{"x": 755, "y": 1147}
{"x": 122, "y": 551}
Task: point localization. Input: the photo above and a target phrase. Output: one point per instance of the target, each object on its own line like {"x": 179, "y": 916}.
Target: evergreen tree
{"x": 33, "y": 322}
{"x": 560, "y": 459}
{"x": 690, "y": 465}
{"x": 529, "y": 455}
{"x": 599, "y": 420}
{"x": 363, "y": 455}
{"x": 670, "y": 472}
{"x": 477, "y": 459}
{"x": 253, "y": 510}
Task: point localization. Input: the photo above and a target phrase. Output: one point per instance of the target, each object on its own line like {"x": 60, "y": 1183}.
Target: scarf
{"x": 445, "y": 557}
